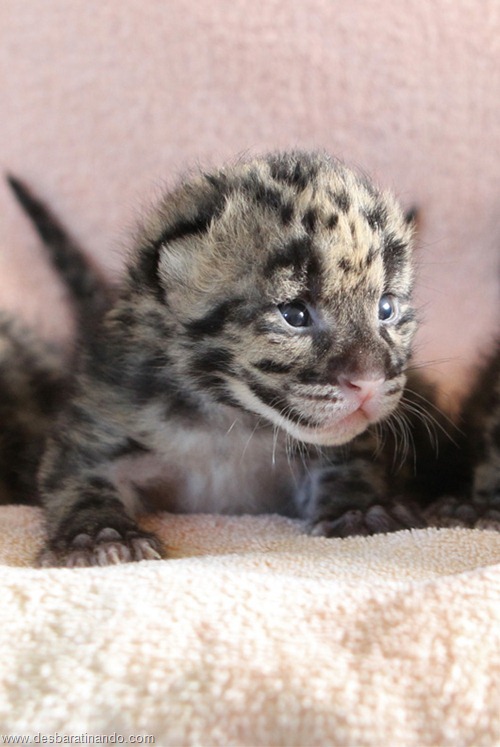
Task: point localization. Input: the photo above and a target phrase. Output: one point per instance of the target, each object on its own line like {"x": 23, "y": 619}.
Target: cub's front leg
{"x": 349, "y": 495}
{"x": 89, "y": 521}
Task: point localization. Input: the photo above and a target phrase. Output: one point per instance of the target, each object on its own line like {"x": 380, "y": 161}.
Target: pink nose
{"x": 362, "y": 389}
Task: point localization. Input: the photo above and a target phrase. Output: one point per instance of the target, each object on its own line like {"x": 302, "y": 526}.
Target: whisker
{"x": 417, "y": 366}
{"x": 427, "y": 417}
{"x": 399, "y": 422}
{"x": 402, "y": 452}
{"x": 231, "y": 427}
{"x": 379, "y": 434}
{"x": 275, "y": 441}
{"x": 292, "y": 446}
{"x": 257, "y": 424}
{"x": 437, "y": 409}
{"x": 428, "y": 422}
{"x": 390, "y": 425}
{"x": 409, "y": 441}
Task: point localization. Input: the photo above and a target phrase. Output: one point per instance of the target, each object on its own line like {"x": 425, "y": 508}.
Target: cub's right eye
{"x": 295, "y": 313}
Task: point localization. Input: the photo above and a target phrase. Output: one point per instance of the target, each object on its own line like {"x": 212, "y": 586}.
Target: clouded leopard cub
{"x": 476, "y": 502}
{"x": 34, "y": 375}
{"x": 265, "y": 321}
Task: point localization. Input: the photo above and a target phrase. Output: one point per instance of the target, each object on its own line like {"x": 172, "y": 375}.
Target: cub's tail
{"x": 90, "y": 294}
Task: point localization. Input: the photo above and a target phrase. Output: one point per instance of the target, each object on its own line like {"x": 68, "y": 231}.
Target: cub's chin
{"x": 319, "y": 421}
{"x": 331, "y": 433}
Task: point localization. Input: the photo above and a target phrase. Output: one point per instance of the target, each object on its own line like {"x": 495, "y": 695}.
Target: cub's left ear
{"x": 182, "y": 217}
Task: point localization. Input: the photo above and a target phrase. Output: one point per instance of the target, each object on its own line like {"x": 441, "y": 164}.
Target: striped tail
{"x": 91, "y": 295}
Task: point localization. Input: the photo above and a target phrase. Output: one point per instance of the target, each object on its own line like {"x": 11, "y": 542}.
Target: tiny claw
{"x": 144, "y": 550}
{"x": 348, "y": 524}
{"x": 318, "y": 530}
{"x": 108, "y": 555}
{"x": 409, "y": 518}
{"x": 79, "y": 560}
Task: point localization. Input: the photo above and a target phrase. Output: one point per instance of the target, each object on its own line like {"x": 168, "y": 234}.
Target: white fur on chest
{"x": 203, "y": 470}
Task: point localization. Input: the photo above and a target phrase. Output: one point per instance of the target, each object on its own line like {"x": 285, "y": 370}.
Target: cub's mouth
{"x": 333, "y": 432}
{"x": 334, "y": 426}
{"x": 327, "y": 415}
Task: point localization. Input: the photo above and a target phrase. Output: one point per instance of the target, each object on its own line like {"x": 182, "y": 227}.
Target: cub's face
{"x": 288, "y": 280}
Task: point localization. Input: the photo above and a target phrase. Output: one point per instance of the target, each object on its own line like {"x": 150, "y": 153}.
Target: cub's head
{"x": 286, "y": 282}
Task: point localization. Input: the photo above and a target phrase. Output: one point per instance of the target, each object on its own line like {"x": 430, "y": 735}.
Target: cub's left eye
{"x": 388, "y": 309}
{"x": 295, "y": 313}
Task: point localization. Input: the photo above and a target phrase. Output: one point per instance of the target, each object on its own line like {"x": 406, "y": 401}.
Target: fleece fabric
{"x": 253, "y": 633}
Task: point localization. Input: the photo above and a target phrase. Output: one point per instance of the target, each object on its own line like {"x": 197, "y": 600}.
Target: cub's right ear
{"x": 412, "y": 216}
{"x": 188, "y": 212}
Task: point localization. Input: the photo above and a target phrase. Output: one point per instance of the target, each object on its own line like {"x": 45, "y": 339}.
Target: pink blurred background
{"x": 103, "y": 104}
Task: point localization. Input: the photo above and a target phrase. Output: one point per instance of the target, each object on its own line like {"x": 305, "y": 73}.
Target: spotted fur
{"x": 200, "y": 392}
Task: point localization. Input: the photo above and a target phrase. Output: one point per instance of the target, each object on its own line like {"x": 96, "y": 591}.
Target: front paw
{"x": 107, "y": 547}
{"x": 451, "y": 511}
{"x": 375, "y": 519}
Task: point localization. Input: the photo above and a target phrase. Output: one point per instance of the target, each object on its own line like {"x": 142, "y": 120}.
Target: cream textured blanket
{"x": 255, "y": 634}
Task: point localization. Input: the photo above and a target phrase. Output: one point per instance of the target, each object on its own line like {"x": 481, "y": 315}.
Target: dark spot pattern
{"x": 215, "y": 319}
{"x": 395, "y": 253}
{"x": 377, "y": 217}
{"x": 209, "y": 207}
{"x": 373, "y": 253}
{"x": 277, "y": 400}
{"x": 213, "y": 359}
{"x": 346, "y": 265}
{"x": 211, "y": 381}
{"x": 267, "y": 365}
{"x": 295, "y": 255}
{"x": 265, "y": 194}
{"x": 342, "y": 200}
{"x": 287, "y": 213}
{"x": 297, "y": 171}
{"x": 310, "y": 220}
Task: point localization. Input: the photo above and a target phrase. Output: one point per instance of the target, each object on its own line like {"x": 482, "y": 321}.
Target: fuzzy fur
{"x": 256, "y": 358}
{"x": 197, "y": 395}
